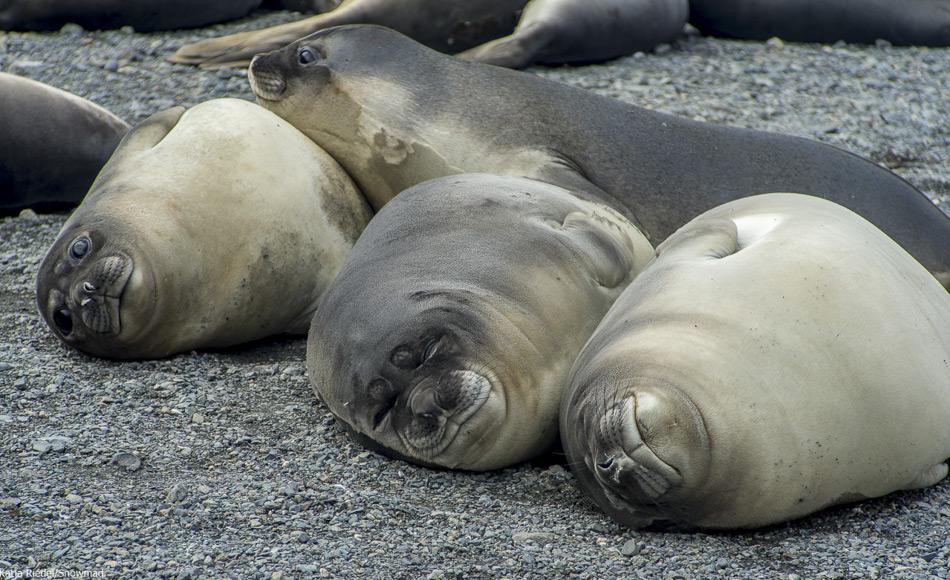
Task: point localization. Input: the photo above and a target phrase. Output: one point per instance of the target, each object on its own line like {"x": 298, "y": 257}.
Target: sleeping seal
{"x": 52, "y": 144}
{"x": 780, "y": 356}
{"x": 207, "y": 228}
{"x": 395, "y": 114}
{"x": 909, "y": 22}
{"x": 447, "y": 337}
{"x": 548, "y": 31}
{"x": 142, "y": 15}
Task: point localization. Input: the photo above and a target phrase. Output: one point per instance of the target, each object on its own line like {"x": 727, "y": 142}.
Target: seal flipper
{"x": 145, "y": 135}
{"x": 520, "y": 49}
{"x": 930, "y": 476}
{"x": 707, "y": 238}
{"x": 614, "y": 256}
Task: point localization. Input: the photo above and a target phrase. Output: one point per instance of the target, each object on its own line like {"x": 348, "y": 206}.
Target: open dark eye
{"x": 79, "y": 248}
{"x": 63, "y": 319}
{"x": 306, "y": 55}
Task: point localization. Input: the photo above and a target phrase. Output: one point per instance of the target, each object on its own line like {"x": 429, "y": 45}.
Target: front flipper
{"x": 930, "y": 476}
{"x": 702, "y": 238}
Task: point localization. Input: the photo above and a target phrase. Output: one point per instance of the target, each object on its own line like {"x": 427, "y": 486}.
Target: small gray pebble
{"x": 129, "y": 461}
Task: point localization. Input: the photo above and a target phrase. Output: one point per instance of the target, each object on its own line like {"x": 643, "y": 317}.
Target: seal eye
{"x": 79, "y": 248}
{"x": 306, "y": 55}
{"x": 63, "y": 319}
{"x": 432, "y": 349}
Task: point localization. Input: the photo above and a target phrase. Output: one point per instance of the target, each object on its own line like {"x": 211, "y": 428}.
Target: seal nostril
{"x": 63, "y": 319}
{"x": 88, "y": 287}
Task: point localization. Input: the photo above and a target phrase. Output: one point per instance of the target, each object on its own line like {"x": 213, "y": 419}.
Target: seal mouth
{"x": 266, "y": 84}
{"x": 627, "y": 467}
{"x": 433, "y": 428}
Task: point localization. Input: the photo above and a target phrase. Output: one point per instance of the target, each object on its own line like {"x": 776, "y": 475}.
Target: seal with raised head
{"x": 909, "y": 22}
{"x": 208, "y": 228}
{"x": 395, "y": 114}
{"x": 52, "y": 144}
{"x": 781, "y": 355}
{"x": 448, "y": 335}
{"x": 142, "y": 15}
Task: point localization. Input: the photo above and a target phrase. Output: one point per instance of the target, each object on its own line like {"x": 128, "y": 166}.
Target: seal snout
{"x": 438, "y": 407}
{"x": 266, "y": 83}
{"x": 82, "y": 288}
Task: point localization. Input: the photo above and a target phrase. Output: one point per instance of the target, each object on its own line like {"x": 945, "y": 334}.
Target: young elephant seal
{"x": 143, "y": 15}
{"x": 780, "y": 356}
{"x": 395, "y": 114}
{"x": 447, "y": 337}
{"x": 52, "y": 144}
{"x": 207, "y": 228}
{"x": 909, "y": 22}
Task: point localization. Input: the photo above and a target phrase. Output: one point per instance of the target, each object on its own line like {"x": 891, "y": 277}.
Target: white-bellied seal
{"x": 207, "y": 228}
{"x": 449, "y": 333}
{"x": 781, "y": 355}
{"x": 142, "y": 15}
{"x": 908, "y": 22}
{"x": 52, "y": 144}
{"x": 395, "y": 113}
{"x": 548, "y": 31}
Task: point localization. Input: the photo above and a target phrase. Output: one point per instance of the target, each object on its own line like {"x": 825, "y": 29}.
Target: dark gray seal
{"x": 584, "y": 31}
{"x": 548, "y": 31}
{"x": 908, "y": 22}
{"x": 780, "y": 356}
{"x": 448, "y": 335}
{"x": 395, "y": 114}
{"x": 52, "y": 144}
{"x": 444, "y": 25}
{"x": 142, "y": 15}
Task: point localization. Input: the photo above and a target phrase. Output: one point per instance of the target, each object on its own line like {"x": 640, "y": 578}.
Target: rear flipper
{"x": 520, "y": 49}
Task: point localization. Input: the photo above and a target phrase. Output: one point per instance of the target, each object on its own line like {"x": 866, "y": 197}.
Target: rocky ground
{"x": 214, "y": 464}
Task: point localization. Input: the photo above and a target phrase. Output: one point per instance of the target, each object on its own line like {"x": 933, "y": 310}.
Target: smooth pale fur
{"x": 448, "y": 26}
{"x": 583, "y": 31}
{"x": 461, "y": 310}
{"x": 142, "y": 15}
{"x": 234, "y": 224}
{"x": 911, "y": 22}
{"x": 815, "y": 353}
{"x": 52, "y": 144}
{"x": 395, "y": 114}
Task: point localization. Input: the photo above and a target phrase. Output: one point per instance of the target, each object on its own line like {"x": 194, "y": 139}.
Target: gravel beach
{"x": 225, "y": 464}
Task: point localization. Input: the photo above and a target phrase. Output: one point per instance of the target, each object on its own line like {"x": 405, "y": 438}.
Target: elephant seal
{"x": 584, "y": 31}
{"x": 395, "y": 114}
{"x": 447, "y": 337}
{"x": 447, "y": 26}
{"x": 548, "y": 32}
{"x": 207, "y": 228}
{"x": 52, "y": 144}
{"x": 142, "y": 15}
{"x": 911, "y": 22}
{"x": 780, "y": 356}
